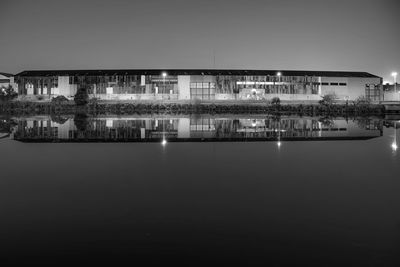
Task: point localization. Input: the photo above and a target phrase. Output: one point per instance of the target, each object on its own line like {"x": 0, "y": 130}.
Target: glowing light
{"x": 164, "y": 74}
{"x": 394, "y": 146}
{"x": 279, "y": 143}
{"x": 394, "y": 74}
{"x": 278, "y": 73}
{"x": 164, "y": 142}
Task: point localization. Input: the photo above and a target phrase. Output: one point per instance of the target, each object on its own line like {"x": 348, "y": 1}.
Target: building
{"x": 391, "y": 92}
{"x": 202, "y": 84}
{"x": 7, "y": 79}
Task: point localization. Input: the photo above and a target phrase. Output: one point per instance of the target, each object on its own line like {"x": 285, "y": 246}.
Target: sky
{"x": 343, "y": 35}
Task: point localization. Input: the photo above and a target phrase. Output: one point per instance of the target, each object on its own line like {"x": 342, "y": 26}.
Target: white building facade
{"x": 203, "y": 85}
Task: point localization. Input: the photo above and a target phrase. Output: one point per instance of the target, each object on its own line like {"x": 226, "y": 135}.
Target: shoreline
{"x": 105, "y": 107}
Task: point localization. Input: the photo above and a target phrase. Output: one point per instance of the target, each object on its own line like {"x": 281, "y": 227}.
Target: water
{"x": 237, "y": 189}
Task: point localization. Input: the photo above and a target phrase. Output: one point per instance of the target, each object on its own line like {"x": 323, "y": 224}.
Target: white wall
{"x": 184, "y": 87}
{"x": 391, "y": 96}
{"x": 355, "y": 87}
{"x": 64, "y": 88}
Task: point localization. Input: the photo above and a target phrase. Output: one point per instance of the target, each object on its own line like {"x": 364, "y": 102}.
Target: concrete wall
{"x": 64, "y": 88}
{"x": 136, "y": 96}
{"x": 184, "y": 87}
{"x": 342, "y": 92}
{"x": 225, "y": 96}
{"x": 355, "y": 87}
{"x": 391, "y": 96}
{"x": 266, "y": 97}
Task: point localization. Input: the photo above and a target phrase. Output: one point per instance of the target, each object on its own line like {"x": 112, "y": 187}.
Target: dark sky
{"x": 311, "y": 34}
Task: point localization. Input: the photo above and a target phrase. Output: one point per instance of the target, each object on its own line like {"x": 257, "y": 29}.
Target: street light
{"x": 394, "y": 74}
{"x": 394, "y": 144}
{"x": 164, "y": 75}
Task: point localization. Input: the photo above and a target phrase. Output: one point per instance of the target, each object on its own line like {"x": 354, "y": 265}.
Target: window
{"x": 334, "y": 84}
{"x": 343, "y": 84}
{"x": 325, "y": 83}
{"x": 202, "y": 91}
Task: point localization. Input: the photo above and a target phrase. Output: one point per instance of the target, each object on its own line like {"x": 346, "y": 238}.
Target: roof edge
{"x": 199, "y": 71}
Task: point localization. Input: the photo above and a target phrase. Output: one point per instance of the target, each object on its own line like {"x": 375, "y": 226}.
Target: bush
{"x": 7, "y": 93}
{"x": 362, "y": 101}
{"x": 81, "y": 97}
{"x": 275, "y": 101}
{"x": 59, "y": 99}
{"x": 94, "y": 101}
{"x": 328, "y": 99}
{"x": 40, "y": 97}
{"x": 81, "y": 121}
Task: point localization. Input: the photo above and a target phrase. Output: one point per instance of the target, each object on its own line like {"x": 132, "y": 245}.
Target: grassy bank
{"x": 69, "y": 107}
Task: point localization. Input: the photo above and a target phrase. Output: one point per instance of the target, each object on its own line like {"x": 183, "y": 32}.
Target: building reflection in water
{"x": 82, "y": 128}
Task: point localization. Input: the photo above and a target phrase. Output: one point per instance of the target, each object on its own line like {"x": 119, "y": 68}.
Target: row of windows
{"x": 202, "y": 85}
{"x": 333, "y": 84}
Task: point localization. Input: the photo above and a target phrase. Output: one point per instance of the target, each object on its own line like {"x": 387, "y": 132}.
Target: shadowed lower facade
{"x": 201, "y": 84}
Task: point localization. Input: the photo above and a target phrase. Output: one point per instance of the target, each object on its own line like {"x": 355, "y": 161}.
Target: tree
{"x": 362, "y": 101}
{"x": 328, "y": 99}
{"x": 81, "y": 97}
{"x": 81, "y": 121}
{"x": 275, "y": 101}
{"x": 7, "y": 93}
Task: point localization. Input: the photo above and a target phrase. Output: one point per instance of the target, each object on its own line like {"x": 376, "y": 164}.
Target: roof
{"x": 6, "y": 74}
{"x": 174, "y": 72}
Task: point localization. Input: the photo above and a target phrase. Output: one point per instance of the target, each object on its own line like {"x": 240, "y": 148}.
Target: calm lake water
{"x": 200, "y": 190}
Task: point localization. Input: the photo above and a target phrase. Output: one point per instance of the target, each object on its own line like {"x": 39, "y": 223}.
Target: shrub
{"x": 328, "y": 99}
{"x": 59, "y": 99}
{"x": 7, "y": 93}
{"x": 81, "y": 97}
{"x": 362, "y": 101}
{"x": 275, "y": 101}
{"x": 40, "y": 97}
{"x": 94, "y": 101}
{"x": 58, "y": 118}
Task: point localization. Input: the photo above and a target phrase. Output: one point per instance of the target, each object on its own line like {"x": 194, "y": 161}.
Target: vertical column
{"x": 183, "y": 87}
